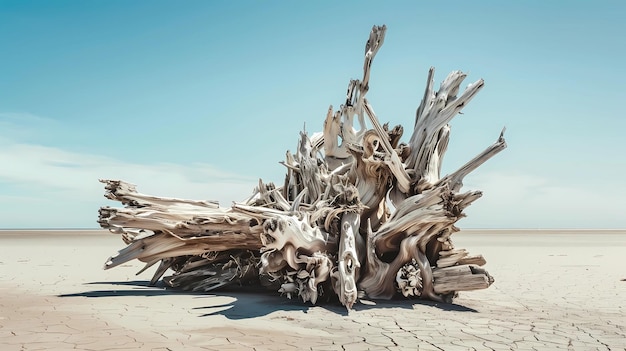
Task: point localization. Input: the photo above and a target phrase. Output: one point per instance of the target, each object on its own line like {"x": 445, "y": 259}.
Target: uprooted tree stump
{"x": 359, "y": 214}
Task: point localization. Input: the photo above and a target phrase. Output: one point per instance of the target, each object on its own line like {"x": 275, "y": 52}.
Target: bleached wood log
{"x": 157, "y": 228}
{"x": 460, "y": 278}
{"x": 448, "y": 258}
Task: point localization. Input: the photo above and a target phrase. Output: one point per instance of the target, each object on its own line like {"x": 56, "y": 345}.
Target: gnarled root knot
{"x": 409, "y": 279}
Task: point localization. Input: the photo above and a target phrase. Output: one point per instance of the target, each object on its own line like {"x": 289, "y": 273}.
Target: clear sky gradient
{"x": 199, "y": 99}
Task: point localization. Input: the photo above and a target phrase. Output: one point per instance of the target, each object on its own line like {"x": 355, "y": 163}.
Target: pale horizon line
{"x": 461, "y": 229}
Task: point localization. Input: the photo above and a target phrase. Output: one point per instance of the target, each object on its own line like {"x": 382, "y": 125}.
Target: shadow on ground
{"x": 253, "y": 303}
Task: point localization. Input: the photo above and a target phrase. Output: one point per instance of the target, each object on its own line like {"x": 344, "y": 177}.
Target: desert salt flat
{"x": 553, "y": 290}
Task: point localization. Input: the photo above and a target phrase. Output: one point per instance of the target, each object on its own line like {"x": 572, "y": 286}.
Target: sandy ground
{"x": 553, "y": 290}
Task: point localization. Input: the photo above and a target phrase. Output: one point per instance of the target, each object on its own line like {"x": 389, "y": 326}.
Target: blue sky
{"x": 199, "y": 99}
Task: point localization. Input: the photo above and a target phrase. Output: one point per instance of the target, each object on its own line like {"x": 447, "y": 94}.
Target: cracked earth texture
{"x": 554, "y": 290}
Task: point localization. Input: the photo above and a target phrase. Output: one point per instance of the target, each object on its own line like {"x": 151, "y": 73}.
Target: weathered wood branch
{"x": 456, "y": 179}
{"x": 429, "y": 140}
{"x": 392, "y": 159}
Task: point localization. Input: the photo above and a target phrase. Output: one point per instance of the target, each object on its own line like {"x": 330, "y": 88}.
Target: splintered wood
{"x": 360, "y": 213}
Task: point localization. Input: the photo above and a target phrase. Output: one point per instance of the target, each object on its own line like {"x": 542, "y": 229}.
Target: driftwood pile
{"x": 359, "y": 213}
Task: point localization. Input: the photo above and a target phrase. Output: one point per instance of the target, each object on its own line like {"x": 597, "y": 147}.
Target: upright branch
{"x": 455, "y": 179}
{"x": 392, "y": 159}
{"x": 341, "y": 123}
{"x": 431, "y": 133}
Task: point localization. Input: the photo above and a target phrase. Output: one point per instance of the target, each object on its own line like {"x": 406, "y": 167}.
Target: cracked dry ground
{"x": 552, "y": 291}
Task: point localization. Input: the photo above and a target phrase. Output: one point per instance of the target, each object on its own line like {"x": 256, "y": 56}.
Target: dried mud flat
{"x": 553, "y": 290}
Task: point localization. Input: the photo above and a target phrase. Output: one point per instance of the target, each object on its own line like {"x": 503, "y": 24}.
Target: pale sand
{"x": 553, "y": 290}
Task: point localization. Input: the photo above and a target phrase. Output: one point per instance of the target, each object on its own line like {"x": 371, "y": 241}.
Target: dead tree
{"x": 367, "y": 216}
